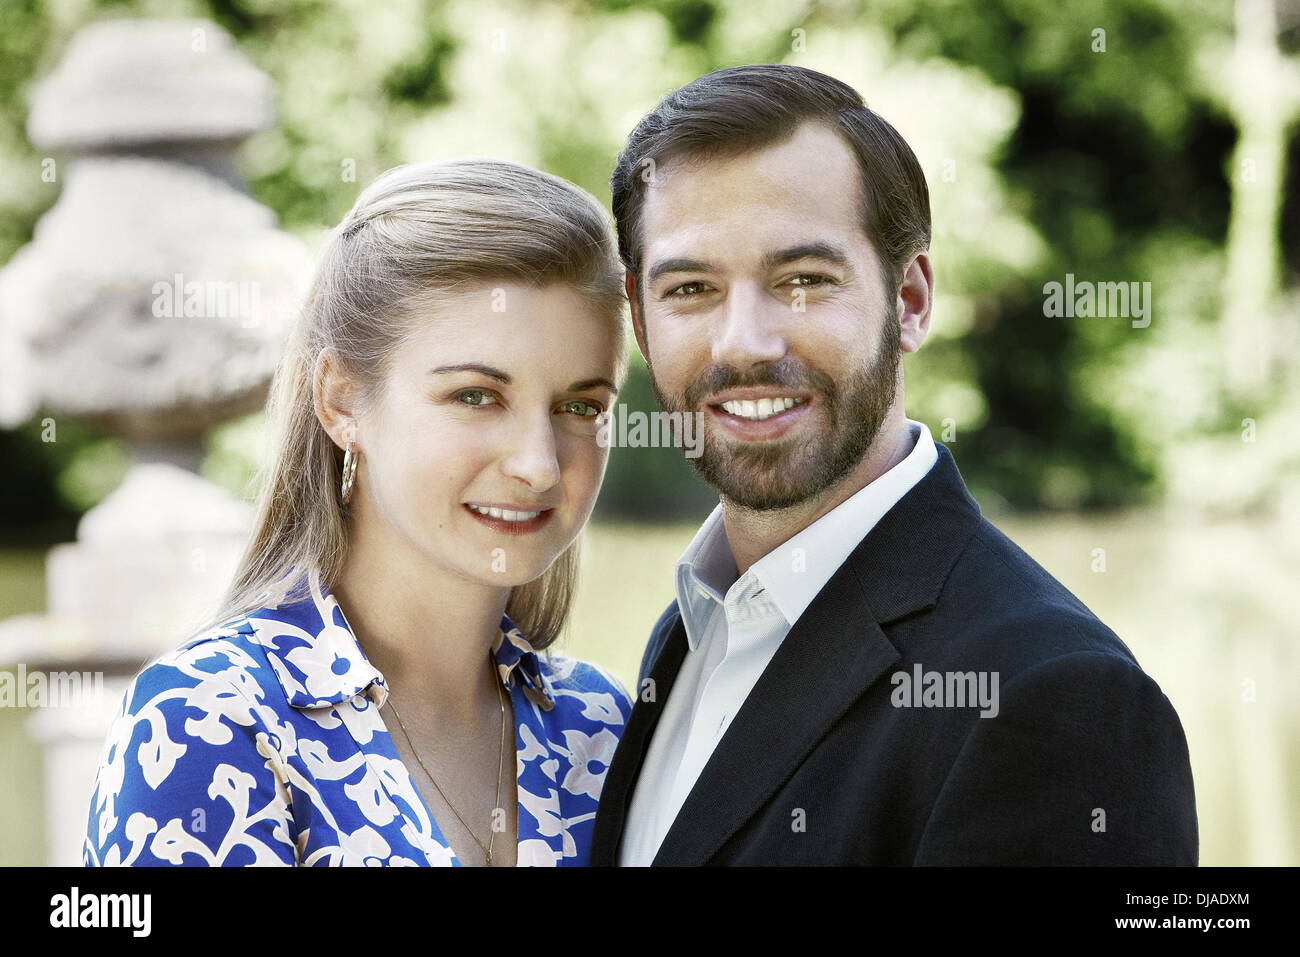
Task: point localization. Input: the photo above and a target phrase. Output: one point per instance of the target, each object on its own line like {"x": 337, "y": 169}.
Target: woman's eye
{"x": 476, "y": 397}
{"x": 582, "y": 408}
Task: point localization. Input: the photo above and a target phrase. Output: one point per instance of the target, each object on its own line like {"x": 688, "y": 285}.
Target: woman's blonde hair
{"x": 417, "y": 232}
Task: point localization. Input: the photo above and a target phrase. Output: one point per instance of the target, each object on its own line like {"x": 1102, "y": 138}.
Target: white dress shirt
{"x": 734, "y": 626}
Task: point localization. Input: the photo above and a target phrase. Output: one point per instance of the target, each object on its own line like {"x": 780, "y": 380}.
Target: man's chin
{"x": 776, "y": 475}
{"x": 754, "y": 487}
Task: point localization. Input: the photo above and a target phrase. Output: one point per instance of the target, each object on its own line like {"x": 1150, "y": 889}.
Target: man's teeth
{"x": 760, "y": 409}
{"x": 505, "y": 513}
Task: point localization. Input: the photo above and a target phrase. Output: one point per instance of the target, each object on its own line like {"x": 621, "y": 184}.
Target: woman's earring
{"x": 349, "y": 471}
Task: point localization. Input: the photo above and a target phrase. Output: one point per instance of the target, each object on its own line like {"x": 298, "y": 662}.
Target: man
{"x": 858, "y": 667}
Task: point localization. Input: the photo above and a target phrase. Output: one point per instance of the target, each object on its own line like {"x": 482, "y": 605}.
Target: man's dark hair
{"x": 745, "y": 108}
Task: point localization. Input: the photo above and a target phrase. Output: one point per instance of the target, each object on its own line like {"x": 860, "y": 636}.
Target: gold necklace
{"x": 501, "y": 751}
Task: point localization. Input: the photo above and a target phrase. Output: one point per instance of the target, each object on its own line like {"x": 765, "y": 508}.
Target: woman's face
{"x": 481, "y": 454}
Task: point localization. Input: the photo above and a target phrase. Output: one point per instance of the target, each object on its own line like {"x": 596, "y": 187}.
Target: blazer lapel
{"x": 622, "y": 774}
{"x": 821, "y": 668}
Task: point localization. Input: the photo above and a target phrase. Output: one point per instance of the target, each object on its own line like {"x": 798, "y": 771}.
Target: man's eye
{"x": 686, "y": 290}
{"x": 810, "y": 279}
{"x": 476, "y": 397}
{"x": 582, "y": 408}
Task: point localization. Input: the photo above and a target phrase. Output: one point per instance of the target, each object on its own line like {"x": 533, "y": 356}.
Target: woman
{"x": 437, "y": 460}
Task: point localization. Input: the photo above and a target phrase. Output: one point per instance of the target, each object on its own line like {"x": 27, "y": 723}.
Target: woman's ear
{"x": 334, "y": 396}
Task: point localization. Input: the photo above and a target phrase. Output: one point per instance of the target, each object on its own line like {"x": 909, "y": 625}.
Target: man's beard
{"x": 788, "y": 471}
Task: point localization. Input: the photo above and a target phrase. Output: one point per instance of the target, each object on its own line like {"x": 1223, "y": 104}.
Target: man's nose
{"x": 532, "y": 458}
{"x": 750, "y": 328}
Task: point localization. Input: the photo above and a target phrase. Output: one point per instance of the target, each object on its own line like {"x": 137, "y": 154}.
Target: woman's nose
{"x": 532, "y": 458}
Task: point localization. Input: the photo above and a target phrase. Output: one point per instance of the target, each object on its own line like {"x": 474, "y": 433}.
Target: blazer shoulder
{"x": 1077, "y": 739}
{"x": 658, "y": 637}
{"x": 1002, "y": 595}
{"x": 666, "y": 621}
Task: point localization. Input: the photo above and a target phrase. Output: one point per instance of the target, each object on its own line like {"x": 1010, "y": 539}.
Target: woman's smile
{"x": 509, "y": 520}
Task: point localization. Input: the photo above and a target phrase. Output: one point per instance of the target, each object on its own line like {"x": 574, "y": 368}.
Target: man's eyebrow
{"x": 581, "y": 385}
{"x": 770, "y": 261}
{"x": 831, "y": 254}
{"x": 488, "y": 371}
{"x": 675, "y": 265}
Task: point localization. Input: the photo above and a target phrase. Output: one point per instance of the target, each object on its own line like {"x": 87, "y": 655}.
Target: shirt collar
{"x": 704, "y": 573}
{"x": 795, "y": 572}
{"x": 319, "y": 662}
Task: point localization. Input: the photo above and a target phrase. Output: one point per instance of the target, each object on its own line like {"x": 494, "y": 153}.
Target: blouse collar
{"x": 319, "y": 662}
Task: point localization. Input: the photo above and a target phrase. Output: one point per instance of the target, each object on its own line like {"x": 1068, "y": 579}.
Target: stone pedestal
{"x": 153, "y": 302}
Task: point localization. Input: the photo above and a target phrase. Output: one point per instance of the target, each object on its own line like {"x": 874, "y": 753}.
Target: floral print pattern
{"x": 260, "y": 742}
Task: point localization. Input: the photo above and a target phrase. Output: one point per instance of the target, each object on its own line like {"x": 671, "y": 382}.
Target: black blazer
{"x": 1085, "y": 762}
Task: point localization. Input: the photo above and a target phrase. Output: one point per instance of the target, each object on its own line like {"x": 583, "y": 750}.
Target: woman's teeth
{"x": 760, "y": 409}
{"x": 505, "y": 514}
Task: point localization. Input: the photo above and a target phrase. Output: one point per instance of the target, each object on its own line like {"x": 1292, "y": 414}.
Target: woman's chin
{"x": 511, "y": 567}
{"x": 510, "y": 558}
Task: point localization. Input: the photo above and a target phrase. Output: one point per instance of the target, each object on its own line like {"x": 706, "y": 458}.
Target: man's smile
{"x": 763, "y": 419}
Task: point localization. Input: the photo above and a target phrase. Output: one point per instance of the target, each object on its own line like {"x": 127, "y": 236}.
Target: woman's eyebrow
{"x": 488, "y": 371}
{"x": 581, "y": 385}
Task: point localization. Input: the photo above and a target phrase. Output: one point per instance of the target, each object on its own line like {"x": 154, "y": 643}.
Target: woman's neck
{"x": 425, "y": 628}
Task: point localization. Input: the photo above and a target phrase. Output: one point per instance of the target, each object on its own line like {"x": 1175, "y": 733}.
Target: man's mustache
{"x": 785, "y": 373}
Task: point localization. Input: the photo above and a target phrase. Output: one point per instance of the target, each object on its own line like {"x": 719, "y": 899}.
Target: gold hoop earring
{"x": 349, "y": 472}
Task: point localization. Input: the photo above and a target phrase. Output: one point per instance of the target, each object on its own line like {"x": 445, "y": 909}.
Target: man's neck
{"x": 754, "y": 534}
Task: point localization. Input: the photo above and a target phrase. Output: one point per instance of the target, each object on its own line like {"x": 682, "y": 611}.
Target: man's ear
{"x": 333, "y": 397}
{"x": 638, "y": 320}
{"x": 915, "y": 300}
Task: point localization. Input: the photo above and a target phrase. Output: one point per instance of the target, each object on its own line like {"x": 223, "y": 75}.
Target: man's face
{"x": 762, "y": 305}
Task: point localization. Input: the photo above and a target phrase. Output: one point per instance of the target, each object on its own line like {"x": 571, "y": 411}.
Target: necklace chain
{"x": 501, "y": 751}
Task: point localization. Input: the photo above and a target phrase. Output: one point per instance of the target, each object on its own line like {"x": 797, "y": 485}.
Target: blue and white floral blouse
{"x": 260, "y": 742}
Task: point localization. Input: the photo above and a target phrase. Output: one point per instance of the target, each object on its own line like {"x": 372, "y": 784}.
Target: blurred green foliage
{"x": 1045, "y": 155}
